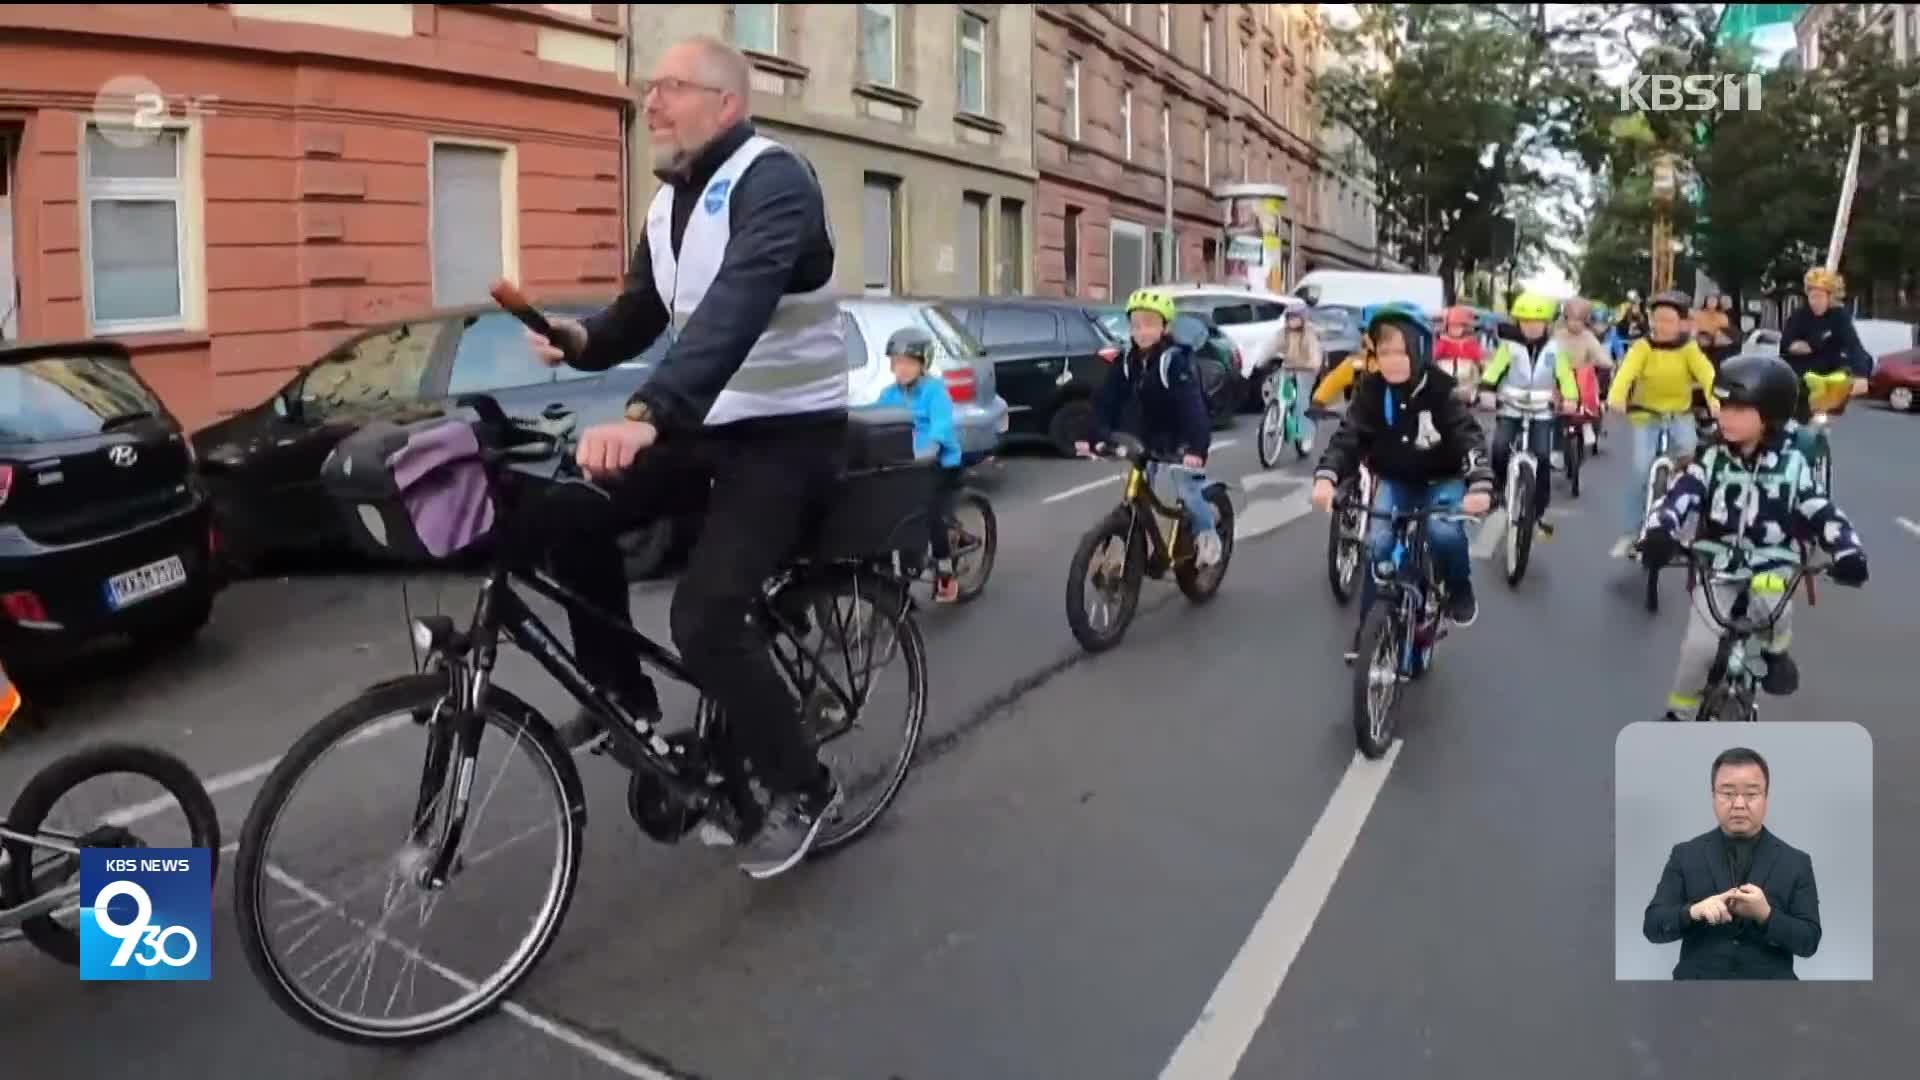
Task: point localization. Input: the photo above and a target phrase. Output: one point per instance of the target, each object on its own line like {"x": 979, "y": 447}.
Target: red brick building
{"x": 298, "y": 170}
{"x": 1228, "y": 84}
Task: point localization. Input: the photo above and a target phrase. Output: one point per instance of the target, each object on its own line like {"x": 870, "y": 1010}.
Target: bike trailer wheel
{"x": 42, "y": 793}
{"x": 976, "y": 526}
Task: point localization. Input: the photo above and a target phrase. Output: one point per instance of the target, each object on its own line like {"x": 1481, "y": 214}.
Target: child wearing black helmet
{"x": 1756, "y": 494}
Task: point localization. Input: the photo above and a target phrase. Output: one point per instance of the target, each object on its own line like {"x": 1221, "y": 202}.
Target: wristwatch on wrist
{"x": 639, "y": 412}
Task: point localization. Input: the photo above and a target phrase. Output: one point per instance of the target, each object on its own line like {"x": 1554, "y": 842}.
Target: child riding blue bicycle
{"x": 1425, "y": 449}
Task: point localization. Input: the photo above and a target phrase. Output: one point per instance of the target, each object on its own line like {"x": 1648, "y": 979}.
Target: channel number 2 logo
{"x": 141, "y": 942}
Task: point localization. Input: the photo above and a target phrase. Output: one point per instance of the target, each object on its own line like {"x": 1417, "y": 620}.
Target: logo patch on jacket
{"x": 716, "y": 198}
{"x": 1428, "y": 436}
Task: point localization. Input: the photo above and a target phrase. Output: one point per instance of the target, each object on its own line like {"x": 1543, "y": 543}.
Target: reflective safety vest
{"x": 799, "y": 364}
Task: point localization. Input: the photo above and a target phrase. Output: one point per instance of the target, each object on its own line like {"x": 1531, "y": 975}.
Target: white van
{"x": 1358, "y": 288}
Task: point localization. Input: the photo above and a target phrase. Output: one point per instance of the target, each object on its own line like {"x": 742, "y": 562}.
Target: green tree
{"x": 1458, "y": 106}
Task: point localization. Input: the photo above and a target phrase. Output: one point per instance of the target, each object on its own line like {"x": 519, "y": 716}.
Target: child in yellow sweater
{"x": 1657, "y": 379}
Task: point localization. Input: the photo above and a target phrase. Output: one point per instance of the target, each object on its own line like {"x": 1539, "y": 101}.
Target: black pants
{"x": 940, "y": 514}
{"x": 762, "y": 492}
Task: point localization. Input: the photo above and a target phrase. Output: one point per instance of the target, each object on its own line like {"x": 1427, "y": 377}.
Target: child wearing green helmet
{"x": 1157, "y": 377}
{"x": 1531, "y": 377}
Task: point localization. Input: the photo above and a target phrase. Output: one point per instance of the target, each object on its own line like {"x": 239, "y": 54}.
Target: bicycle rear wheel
{"x": 269, "y": 897}
{"x": 860, "y": 624}
{"x": 1376, "y": 679}
{"x": 33, "y": 871}
{"x": 1346, "y": 544}
{"x": 1576, "y": 450}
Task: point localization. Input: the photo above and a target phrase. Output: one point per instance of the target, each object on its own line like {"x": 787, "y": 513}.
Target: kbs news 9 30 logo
{"x": 146, "y": 914}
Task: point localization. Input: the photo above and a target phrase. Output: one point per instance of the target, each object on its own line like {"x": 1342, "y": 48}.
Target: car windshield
{"x": 1330, "y": 320}
{"x": 64, "y": 397}
{"x": 951, "y": 334}
{"x": 1114, "y": 322}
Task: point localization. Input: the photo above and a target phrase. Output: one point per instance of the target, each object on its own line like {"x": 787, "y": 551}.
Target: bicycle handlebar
{"x": 1699, "y": 558}
{"x": 1123, "y": 447}
{"x": 1435, "y": 513}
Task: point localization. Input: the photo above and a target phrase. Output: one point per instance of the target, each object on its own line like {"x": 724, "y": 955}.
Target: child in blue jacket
{"x": 1158, "y": 378}
{"x": 932, "y": 431}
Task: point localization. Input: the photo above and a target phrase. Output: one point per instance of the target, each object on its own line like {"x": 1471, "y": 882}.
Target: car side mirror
{"x": 1311, "y": 294}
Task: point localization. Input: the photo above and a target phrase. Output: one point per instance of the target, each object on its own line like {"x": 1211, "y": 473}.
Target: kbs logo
{"x": 146, "y": 914}
{"x": 1695, "y": 93}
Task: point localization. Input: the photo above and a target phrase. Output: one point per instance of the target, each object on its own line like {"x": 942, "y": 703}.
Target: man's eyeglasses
{"x": 675, "y": 87}
{"x": 1735, "y": 796}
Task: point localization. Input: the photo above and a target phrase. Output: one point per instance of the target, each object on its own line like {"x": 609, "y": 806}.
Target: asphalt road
{"x": 1162, "y": 861}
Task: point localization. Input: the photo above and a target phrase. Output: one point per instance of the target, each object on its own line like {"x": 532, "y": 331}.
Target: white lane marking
{"x": 1218, "y": 1040}
{"x": 1222, "y": 444}
{"x": 1084, "y": 488}
{"x": 226, "y": 781}
{"x": 1908, "y": 524}
{"x": 1492, "y": 530}
{"x": 1095, "y": 485}
{"x": 1269, "y": 514}
{"x": 605, "y": 1055}
{"x": 1258, "y": 480}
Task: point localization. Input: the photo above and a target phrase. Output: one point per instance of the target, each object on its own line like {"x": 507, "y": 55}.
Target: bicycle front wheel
{"x": 1273, "y": 432}
{"x": 975, "y": 542}
{"x": 1376, "y": 680}
{"x": 1103, "y": 584}
{"x": 325, "y": 941}
{"x": 1520, "y": 519}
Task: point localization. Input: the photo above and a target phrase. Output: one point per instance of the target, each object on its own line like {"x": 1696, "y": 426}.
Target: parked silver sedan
{"x": 979, "y": 412}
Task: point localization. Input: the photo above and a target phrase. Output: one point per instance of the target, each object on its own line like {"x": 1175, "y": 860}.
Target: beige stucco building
{"x": 917, "y": 117}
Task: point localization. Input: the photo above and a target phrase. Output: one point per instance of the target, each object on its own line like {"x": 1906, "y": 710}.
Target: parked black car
{"x": 263, "y": 465}
{"x": 104, "y": 528}
{"x": 1049, "y": 356}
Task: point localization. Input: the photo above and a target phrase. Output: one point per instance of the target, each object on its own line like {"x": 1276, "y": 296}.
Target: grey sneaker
{"x": 792, "y": 825}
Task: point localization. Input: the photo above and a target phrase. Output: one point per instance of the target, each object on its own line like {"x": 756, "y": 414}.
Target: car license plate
{"x": 149, "y": 580}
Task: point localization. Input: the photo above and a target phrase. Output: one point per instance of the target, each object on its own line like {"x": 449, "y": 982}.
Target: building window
{"x": 1162, "y": 247}
{"x": 757, "y": 27}
{"x": 1166, "y": 26}
{"x": 1246, "y": 159}
{"x": 880, "y": 234}
{"x": 1206, "y": 155}
{"x": 1126, "y": 121}
{"x": 136, "y": 230}
{"x": 470, "y": 221}
{"x": 1245, "y": 66}
{"x": 1167, "y": 161}
{"x": 1126, "y": 258}
{"x": 972, "y": 242}
{"x": 878, "y": 31}
{"x": 1210, "y": 256}
{"x": 1013, "y": 246}
{"x": 1126, "y": 15}
{"x": 1206, "y": 46}
{"x": 1073, "y": 251}
{"x": 1266, "y": 89}
{"x": 1073, "y": 98}
{"x": 973, "y": 64}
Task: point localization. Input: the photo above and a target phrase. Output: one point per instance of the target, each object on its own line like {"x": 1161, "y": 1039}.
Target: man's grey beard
{"x": 670, "y": 162}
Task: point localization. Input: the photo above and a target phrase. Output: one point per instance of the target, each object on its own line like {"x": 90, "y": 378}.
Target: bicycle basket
{"x": 415, "y": 492}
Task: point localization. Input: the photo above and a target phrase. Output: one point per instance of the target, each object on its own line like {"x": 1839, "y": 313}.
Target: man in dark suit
{"x": 1740, "y": 900}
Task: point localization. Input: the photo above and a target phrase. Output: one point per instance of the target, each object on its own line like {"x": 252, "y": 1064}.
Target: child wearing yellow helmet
{"x": 1158, "y": 375}
{"x": 1819, "y": 340}
{"x": 1659, "y": 376}
{"x": 1530, "y": 376}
